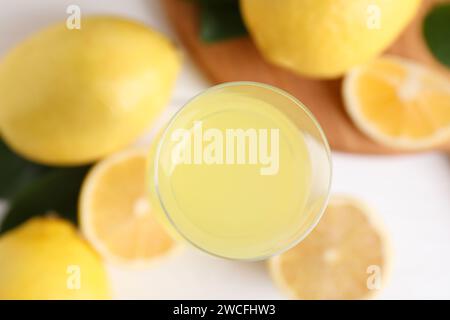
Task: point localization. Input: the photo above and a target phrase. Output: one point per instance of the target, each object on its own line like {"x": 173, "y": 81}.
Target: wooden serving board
{"x": 238, "y": 60}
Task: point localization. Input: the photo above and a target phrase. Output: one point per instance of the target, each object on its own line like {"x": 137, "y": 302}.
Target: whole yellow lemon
{"x": 70, "y": 97}
{"x": 46, "y": 259}
{"x": 325, "y": 38}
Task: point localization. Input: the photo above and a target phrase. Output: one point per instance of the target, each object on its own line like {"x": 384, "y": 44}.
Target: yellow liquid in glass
{"x": 232, "y": 210}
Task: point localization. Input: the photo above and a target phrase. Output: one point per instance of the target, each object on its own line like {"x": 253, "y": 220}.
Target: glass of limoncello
{"x": 242, "y": 171}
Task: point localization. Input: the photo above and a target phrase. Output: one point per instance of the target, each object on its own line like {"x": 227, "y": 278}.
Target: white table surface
{"x": 411, "y": 193}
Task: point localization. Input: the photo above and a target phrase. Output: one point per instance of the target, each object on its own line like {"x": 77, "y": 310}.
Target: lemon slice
{"x": 115, "y": 212}
{"x": 399, "y": 103}
{"x": 345, "y": 257}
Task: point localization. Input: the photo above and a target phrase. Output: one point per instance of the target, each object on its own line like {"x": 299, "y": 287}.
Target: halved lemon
{"x": 399, "y": 103}
{"x": 345, "y": 257}
{"x": 116, "y": 215}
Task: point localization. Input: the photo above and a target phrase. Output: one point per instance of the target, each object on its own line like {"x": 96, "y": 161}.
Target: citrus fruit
{"x": 344, "y": 257}
{"x": 399, "y": 103}
{"x": 73, "y": 96}
{"x": 45, "y": 258}
{"x": 325, "y": 38}
{"x": 116, "y": 215}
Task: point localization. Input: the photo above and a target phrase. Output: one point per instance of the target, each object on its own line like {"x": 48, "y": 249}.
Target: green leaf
{"x": 16, "y": 172}
{"x": 220, "y": 20}
{"x": 436, "y": 30}
{"x": 57, "y": 191}
{"x": 216, "y": 2}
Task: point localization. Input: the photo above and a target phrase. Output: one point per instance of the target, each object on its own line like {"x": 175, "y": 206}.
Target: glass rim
{"x": 323, "y": 142}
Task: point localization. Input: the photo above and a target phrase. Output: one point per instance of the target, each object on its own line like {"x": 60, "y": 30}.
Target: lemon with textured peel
{"x": 399, "y": 103}
{"x": 70, "y": 97}
{"x": 325, "y": 38}
{"x": 45, "y": 258}
{"x": 116, "y": 215}
{"x": 345, "y": 257}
